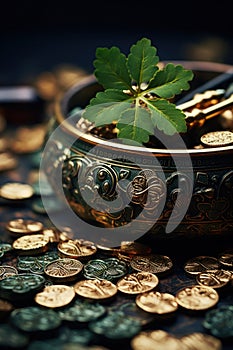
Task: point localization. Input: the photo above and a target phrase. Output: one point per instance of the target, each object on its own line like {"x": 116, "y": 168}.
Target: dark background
{"x": 36, "y": 36}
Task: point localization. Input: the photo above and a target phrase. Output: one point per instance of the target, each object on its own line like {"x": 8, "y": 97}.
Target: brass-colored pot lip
{"x": 61, "y": 102}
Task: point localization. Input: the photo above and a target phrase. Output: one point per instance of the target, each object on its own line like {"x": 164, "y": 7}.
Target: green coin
{"x": 82, "y": 336}
{"x": 219, "y": 322}
{"x": 109, "y": 269}
{"x": 66, "y": 338}
{"x": 36, "y": 264}
{"x": 20, "y": 286}
{"x": 33, "y": 318}
{"x": 116, "y": 325}
{"x": 82, "y": 311}
{"x": 130, "y": 308}
{"x": 16, "y": 339}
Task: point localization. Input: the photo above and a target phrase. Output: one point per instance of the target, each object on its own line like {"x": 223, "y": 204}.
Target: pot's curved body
{"x": 166, "y": 193}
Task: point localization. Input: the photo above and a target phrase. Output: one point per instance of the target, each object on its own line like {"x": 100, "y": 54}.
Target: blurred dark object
{"x": 21, "y": 104}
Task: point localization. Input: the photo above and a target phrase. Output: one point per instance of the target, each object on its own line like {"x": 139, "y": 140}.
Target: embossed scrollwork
{"x": 178, "y": 184}
{"x": 147, "y": 190}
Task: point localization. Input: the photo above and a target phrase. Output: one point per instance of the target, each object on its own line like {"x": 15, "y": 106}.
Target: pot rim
{"x": 61, "y": 102}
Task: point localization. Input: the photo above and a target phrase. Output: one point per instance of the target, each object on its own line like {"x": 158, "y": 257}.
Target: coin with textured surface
{"x": 138, "y": 282}
{"x": 65, "y": 269}
{"x": 55, "y": 235}
{"x": 77, "y": 248}
{"x": 24, "y": 226}
{"x": 95, "y": 289}
{"x": 156, "y": 302}
{"x": 154, "y": 263}
{"x": 219, "y": 322}
{"x": 214, "y": 279}
{"x": 109, "y": 269}
{"x": 31, "y": 244}
{"x": 201, "y": 341}
{"x": 226, "y": 259}
{"x": 36, "y": 264}
{"x": 21, "y": 286}
{"x": 217, "y": 138}
{"x": 200, "y": 264}
{"x": 157, "y": 339}
{"x": 16, "y": 191}
{"x": 7, "y": 270}
{"x": 197, "y": 297}
{"x": 33, "y": 318}
{"x": 55, "y": 296}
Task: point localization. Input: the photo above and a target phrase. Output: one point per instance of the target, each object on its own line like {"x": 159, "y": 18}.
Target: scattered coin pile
{"x": 65, "y": 293}
{"x": 58, "y": 291}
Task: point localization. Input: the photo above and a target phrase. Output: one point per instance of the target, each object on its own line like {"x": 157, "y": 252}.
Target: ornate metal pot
{"x": 128, "y": 192}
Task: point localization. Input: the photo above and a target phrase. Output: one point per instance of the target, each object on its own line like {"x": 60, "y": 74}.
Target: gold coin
{"x": 16, "y": 191}
{"x": 55, "y": 296}
{"x": 63, "y": 269}
{"x": 226, "y": 259}
{"x": 3, "y": 143}
{"x": 77, "y": 248}
{"x": 217, "y": 138}
{"x": 156, "y": 340}
{"x": 28, "y": 139}
{"x": 67, "y": 75}
{"x": 138, "y": 282}
{"x": 156, "y": 302}
{"x": 201, "y": 263}
{"x": 54, "y": 235}
{"x": 154, "y": 263}
{"x": 46, "y": 85}
{"x": 7, "y": 270}
{"x": 7, "y": 161}
{"x": 5, "y": 309}
{"x": 95, "y": 289}
{"x": 24, "y": 226}
{"x": 31, "y": 244}
{"x": 201, "y": 341}
{"x": 214, "y": 279}
{"x": 197, "y": 297}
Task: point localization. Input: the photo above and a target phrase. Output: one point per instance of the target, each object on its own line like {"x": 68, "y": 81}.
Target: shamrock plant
{"x": 137, "y": 92}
